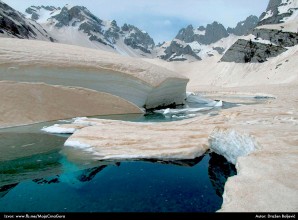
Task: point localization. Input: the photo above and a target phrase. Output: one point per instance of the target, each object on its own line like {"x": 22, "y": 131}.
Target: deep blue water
{"x": 49, "y": 182}
{"x": 38, "y": 174}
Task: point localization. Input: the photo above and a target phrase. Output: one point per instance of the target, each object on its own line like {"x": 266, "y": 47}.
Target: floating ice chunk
{"x": 57, "y": 129}
{"x": 184, "y": 116}
{"x": 231, "y": 144}
{"x": 218, "y": 104}
{"x": 182, "y": 111}
{"x": 167, "y": 111}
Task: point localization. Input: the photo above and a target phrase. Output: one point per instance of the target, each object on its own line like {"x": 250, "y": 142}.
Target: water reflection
{"x": 219, "y": 171}
{"x": 52, "y": 169}
{"x": 5, "y": 189}
{"x": 72, "y": 180}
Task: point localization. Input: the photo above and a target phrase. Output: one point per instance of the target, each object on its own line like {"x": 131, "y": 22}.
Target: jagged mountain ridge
{"x": 77, "y": 25}
{"x": 275, "y": 32}
{"x": 14, "y": 24}
{"x": 197, "y": 43}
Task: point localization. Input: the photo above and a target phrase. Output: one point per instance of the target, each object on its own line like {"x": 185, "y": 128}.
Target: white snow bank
{"x": 78, "y": 144}
{"x": 231, "y": 144}
{"x": 57, "y": 129}
{"x": 141, "y": 83}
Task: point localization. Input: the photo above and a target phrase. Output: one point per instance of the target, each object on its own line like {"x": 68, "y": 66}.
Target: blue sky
{"x": 162, "y": 19}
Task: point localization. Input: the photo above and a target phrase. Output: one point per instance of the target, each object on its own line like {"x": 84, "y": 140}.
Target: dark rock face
{"x": 105, "y": 34}
{"x": 214, "y": 32}
{"x": 75, "y": 14}
{"x": 15, "y": 24}
{"x": 137, "y": 39}
{"x": 278, "y": 37}
{"x": 203, "y": 35}
{"x": 276, "y": 17}
{"x": 220, "y": 50}
{"x": 176, "y": 50}
{"x": 249, "y": 51}
{"x": 186, "y": 34}
{"x": 33, "y": 10}
{"x": 244, "y": 27}
{"x": 244, "y": 51}
{"x": 112, "y": 34}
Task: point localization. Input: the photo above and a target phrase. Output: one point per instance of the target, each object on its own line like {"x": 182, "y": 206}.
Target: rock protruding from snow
{"x": 212, "y": 33}
{"x": 137, "y": 39}
{"x": 244, "y": 27}
{"x": 178, "y": 51}
{"x": 278, "y": 11}
{"x": 90, "y": 31}
{"x": 14, "y": 24}
{"x": 268, "y": 39}
{"x": 244, "y": 51}
{"x": 277, "y": 37}
{"x": 231, "y": 144}
{"x": 198, "y": 43}
{"x": 37, "y": 12}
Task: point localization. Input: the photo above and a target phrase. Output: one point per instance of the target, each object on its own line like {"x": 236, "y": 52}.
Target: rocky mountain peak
{"x": 244, "y": 27}
{"x": 278, "y": 11}
{"x": 36, "y": 11}
{"x": 15, "y": 24}
{"x": 269, "y": 40}
{"x": 186, "y": 34}
{"x": 137, "y": 39}
{"x": 69, "y": 16}
{"x": 214, "y": 32}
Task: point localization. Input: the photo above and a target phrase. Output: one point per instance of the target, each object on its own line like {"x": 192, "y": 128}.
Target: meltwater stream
{"x": 37, "y": 175}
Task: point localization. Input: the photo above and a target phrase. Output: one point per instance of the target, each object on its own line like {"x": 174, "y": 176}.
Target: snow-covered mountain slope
{"x": 281, "y": 69}
{"x": 198, "y": 43}
{"x": 76, "y": 25}
{"x": 276, "y": 33}
{"x": 280, "y": 11}
{"x": 14, "y": 24}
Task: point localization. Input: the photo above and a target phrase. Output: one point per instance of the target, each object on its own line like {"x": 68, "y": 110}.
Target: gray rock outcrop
{"x": 34, "y": 11}
{"x": 213, "y": 33}
{"x": 137, "y": 39}
{"x": 244, "y": 27}
{"x": 273, "y": 15}
{"x": 14, "y": 24}
{"x": 266, "y": 42}
{"x": 107, "y": 33}
{"x": 186, "y": 34}
{"x": 278, "y": 37}
{"x": 244, "y": 51}
{"x": 176, "y": 52}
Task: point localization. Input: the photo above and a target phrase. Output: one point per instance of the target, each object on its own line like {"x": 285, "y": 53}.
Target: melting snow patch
{"x": 77, "y": 144}
{"x": 56, "y": 129}
{"x": 231, "y": 144}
